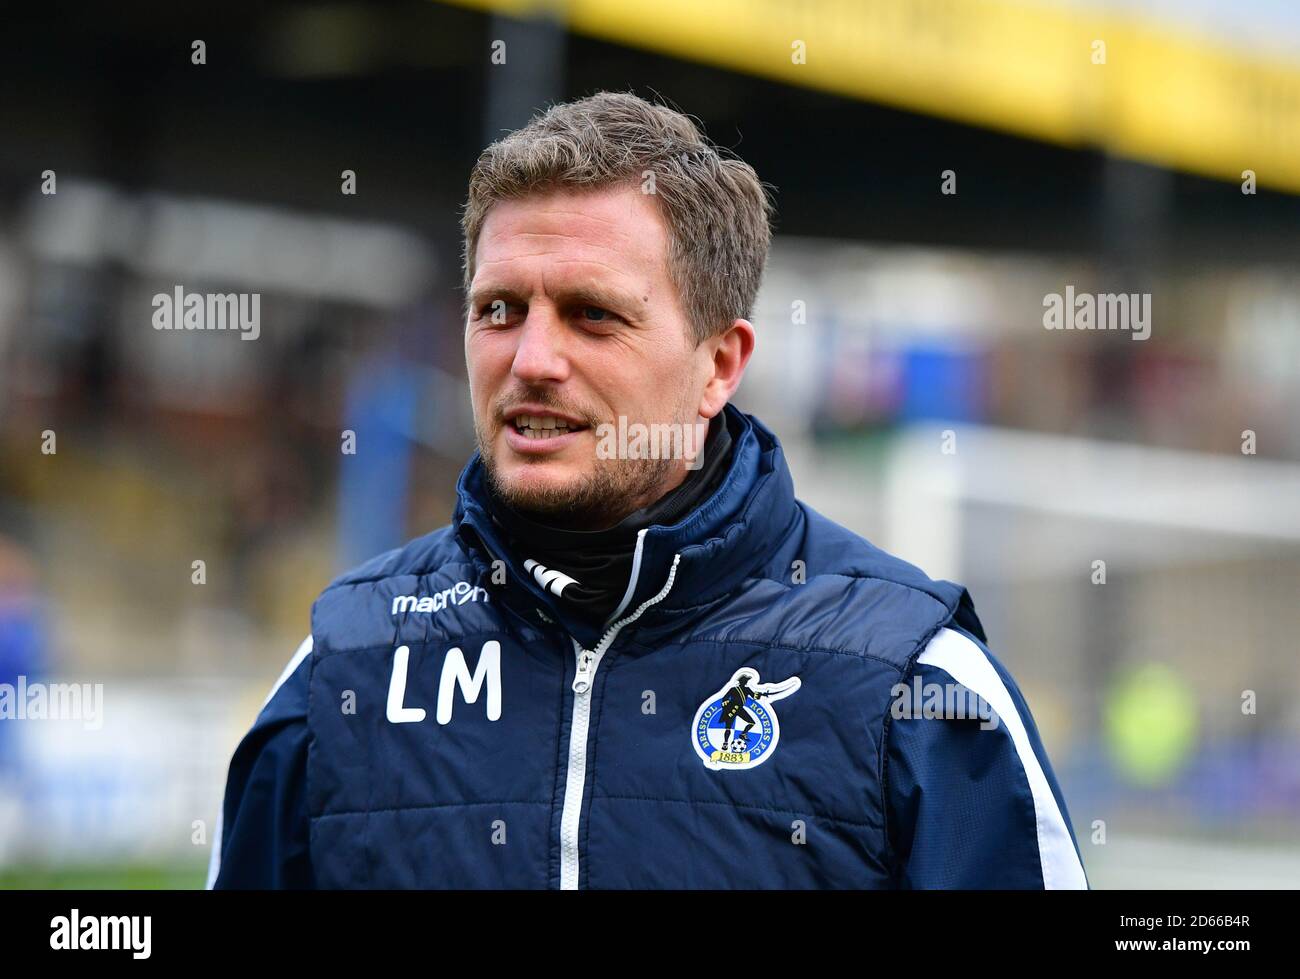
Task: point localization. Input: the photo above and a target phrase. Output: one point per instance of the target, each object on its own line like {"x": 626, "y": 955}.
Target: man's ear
{"x": 729, "y": 353}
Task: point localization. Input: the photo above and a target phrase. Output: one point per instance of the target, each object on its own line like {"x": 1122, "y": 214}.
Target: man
{"x": 540, "y": 694}
{"x": 733, "y": 707}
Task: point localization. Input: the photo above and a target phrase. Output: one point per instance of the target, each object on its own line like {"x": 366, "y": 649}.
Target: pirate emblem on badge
{"x": 736, "y": 728}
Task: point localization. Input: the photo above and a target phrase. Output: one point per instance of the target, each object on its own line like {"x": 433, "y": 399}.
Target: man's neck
{"x": 600, "y": 561}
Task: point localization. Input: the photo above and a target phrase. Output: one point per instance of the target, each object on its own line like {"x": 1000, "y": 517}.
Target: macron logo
{"x": 553, "y": 581}
{"x": 458, "y": 594}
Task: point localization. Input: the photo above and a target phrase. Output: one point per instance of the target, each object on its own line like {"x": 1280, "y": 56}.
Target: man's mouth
{"x": 543, "y": 426}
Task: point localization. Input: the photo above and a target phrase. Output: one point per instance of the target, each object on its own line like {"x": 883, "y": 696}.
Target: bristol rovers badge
{"x": 736, "y": 728}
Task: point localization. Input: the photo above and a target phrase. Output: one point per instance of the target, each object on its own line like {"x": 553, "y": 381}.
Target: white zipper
{"x": 576, "y": 775}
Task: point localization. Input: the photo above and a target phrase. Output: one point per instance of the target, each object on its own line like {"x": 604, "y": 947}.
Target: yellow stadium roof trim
{"x": 1160, "y": 96}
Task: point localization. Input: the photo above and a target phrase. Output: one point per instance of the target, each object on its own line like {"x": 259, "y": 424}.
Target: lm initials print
{"x": 455, "y": 674}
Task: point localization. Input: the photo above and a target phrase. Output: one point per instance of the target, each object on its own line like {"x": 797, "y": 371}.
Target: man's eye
{"x": 594, "y": 314}
{"x": 496, "y": 311}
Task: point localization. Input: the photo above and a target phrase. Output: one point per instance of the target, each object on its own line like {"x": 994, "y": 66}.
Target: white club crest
{"x": 736, "y": 727}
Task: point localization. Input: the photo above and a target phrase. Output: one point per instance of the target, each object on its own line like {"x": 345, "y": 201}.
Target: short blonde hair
{"x": 717, "y": 211}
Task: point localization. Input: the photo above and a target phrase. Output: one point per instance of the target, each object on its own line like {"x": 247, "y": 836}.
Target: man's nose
{"x": 540, "y": 356}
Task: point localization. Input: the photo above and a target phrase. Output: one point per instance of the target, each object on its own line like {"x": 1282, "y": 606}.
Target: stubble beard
{"x": 594, "y": 500}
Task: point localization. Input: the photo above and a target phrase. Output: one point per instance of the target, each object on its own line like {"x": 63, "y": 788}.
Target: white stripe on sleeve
{"x": 966, "y": 663}
{"x": 214, "y": 859}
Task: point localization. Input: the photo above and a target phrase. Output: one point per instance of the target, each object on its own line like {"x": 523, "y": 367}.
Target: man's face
{"x": 574, "y": 320}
